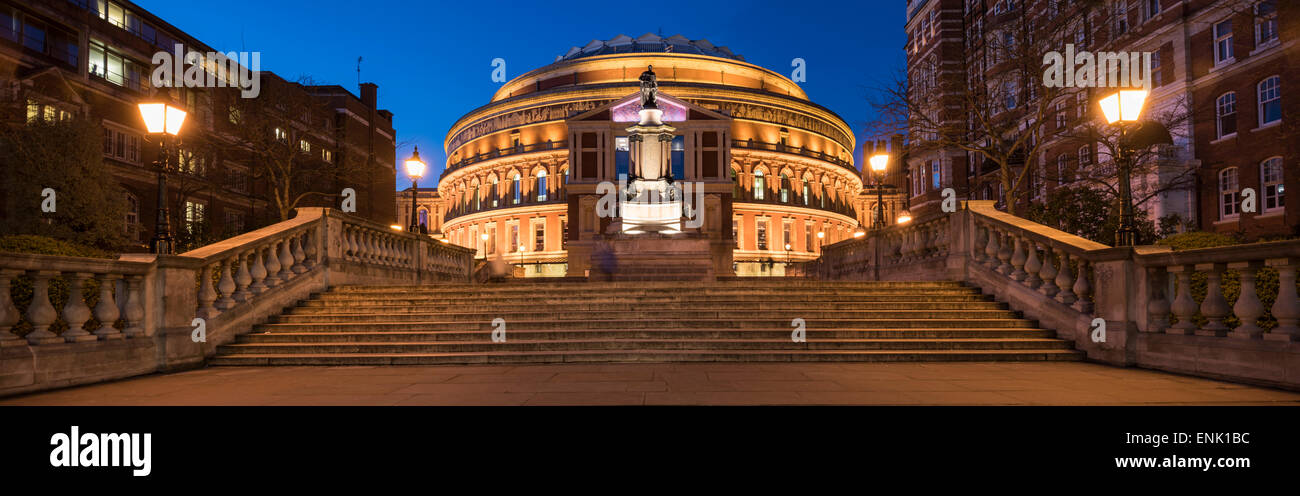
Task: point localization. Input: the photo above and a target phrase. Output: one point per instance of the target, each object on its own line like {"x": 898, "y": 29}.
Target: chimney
{"x": 370, "y": 94}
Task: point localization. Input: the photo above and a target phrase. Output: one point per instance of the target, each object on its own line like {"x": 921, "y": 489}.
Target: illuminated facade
{"x": 776, "y": 168}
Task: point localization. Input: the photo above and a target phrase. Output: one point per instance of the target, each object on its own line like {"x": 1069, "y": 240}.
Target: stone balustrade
{"x": 1143, "y": 294}
{"x": 147, "y": 308}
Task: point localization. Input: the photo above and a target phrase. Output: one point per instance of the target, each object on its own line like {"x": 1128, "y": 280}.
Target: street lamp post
{"x": 415, "y": 169}
{"x": 164, "y": 121}
{"x": 879, "y": 164}
{"x": 1124, "y": 108}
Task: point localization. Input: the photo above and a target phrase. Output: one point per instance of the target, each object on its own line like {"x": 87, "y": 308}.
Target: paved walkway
{"x": 1048, "y": 383}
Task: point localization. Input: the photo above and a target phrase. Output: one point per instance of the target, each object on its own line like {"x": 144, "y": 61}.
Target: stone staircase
{"x": 747, "y": 320}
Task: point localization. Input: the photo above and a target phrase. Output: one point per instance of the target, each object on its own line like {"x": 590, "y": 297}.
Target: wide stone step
{"x": 635, "y": 292}
{"x": 593, "y": 334}
{"x": 641, "y": 300}
{"x": 754, "y": 282}
{"x": 648, "y": 356}
{"x": 542, "y": 313}
{"x": 646, "y": 344}
{"x": 645, "y": 323}
{"x": 383, "y": 308}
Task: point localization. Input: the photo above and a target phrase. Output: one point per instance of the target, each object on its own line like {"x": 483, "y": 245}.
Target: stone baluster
{"x": 978, "y": 243}
{"x": 991, "y": 250}
{"x": 1157, "y": 302}
{"x": 299, "y": 257}
{"x": 134, "y": 307}
{"x": 1082, "y": 288}
{"x": 1033, "y": 265}
{"x": 309, "y": 249}
{"x": 9, "y": 315}
{"x": 258, "y": 271}
{"x": 272, "y": 266}
{"x": 106, "y": 311}
{"x": 75, "y": 311}
{"x": 1286, "y": 309}
{"x": 1215, "y": 307}
{"x": 1184, "y": 306}
{"x": 1018, "y": 259}
{"x": 242, "y": 280}
{"x": 349, "y": 243}
{"x": 1248, "y": 308}
{"x": 286, "y": 260}
{"x": 40, "y": 313}
{"x": 207, "y": 295}
{"x": 226, "y": 286}
{"x": 1048, "y": 273}
{"x": 1065, "y": 281}
{"x": 1004, "y": 254}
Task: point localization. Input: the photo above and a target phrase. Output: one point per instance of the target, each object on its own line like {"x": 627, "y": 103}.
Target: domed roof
{"x": 648, "y": 43}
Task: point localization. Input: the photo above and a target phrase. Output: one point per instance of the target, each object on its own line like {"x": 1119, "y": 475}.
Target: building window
{"x": 121, "y": 145}
{"x": 423, "y": 218}
{"x": 304, "y": 146}
{"x": 621, "y": 155}
{"x": 785, "y": 189}
{"x": 238, "y": 179}
{"x": 327, "y": 156}
{"x": 477, "y": 199}
{"x": 1150, "y": 9}
{"x": 735, "y": 232}
{"x": 1270, "y": 100}
{"x": 132, "y": 213}
{"x": 1157, "y": 79}
{"x": 539, "y": 236}
{"x": 759, "y": 185}
{"x": 496, "y": 191}
{"x": 1265, "y": 22}
{"x": 281, "y": 136}
{"x": 807, "y": 190}
{"x": 515, "y": 191}
{"x": 1270, "y": 178}
{"x": 760, "y": 226}
{"x": 1223, "y": 42}
{"x": 564, "y": 233}
{"x": 1062, "y": 165}
{"x": 234, "y": 223}
{"x": 807, "y": 236}
{"x": 1229, "y": 194}
{"x": 1225, "y": 109}
{"x": 541, "y": 186}
{"x": 936, "y": 175}
{"x": 114, "y": 68}
{"x": 786, "y": 238}
{"x": 1121, "y": 17}
{"x": 514, "y": 238}
{"x": 194, "y": 215}
{"x": 492, "y": 239}
{"x": 1085, "y": 155}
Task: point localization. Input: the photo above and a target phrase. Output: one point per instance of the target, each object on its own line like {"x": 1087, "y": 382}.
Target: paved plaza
{"x": 1044, "y": 383}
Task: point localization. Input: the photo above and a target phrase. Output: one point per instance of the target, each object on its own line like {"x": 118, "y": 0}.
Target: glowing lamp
{"x": 414, "y": 166}
{"x": 162, "y": 118}
{"x": 879, "y": 162}
{"x": 904, "y": 217}
{"x": 1123, "y": 106}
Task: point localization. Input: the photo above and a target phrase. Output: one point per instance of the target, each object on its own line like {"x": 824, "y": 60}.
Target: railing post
{"x": 134, "y": 307}
{"x": 1286, "y": 309}
{"x": 106, "y": 311}
{"x": 1065, "y": 281}
{"x": 40, "y": 313}
{"x": 1018, "y": 259}
{"x": 1214, "y": 308}
{"x": 1082, "y": 288}
{"x": 1184, "y": 306}
{"x": 9, "y": 314}
{"x": 75, "y": 311}
{"x": 258, "y": 272}
{"x": 1032, "y": 265}
{"x": 1157, "y": 302}
{"x": 1248, "y": 308}
{"x": 1048, "y": 272}
{"x": 226, "y": 286}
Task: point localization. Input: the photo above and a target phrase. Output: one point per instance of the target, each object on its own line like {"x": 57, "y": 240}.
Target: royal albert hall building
{"x": 523, "y": 170}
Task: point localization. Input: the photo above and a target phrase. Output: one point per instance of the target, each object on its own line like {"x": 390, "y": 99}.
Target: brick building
{"x": 93, "y": 60}
{"x": 1219, "y": 73}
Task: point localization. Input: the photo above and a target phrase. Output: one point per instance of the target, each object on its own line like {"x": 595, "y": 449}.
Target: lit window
{"x": 1229, "y": 194}
{"x": 761, "y": 231}
{"x": 785, "y": 189}
{"x": 1270, "y": 100}
{"x": 280, "y": 135}
{"x": 539, "y": 236}
{"x": 1223, "y": 42}
{"x": 304, "y": 146}
{"x": 1270, "y": 174}
{"x": 515, "y": 190}
{"x": 936, "y": 175}
{"x": 1265, "y": 22}
{"x": 807, "y": 190}
{"x": 1226, "y": 111}
{"x": 541, "y": 186}
{"x": 1085, "y": 155}
{"x": 194, "y": 216}
{"x": 759, "y": 185}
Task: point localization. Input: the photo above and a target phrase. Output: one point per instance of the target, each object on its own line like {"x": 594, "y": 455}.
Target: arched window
{"x": 1229, "y": 194}
{"x": 424, "y": 217}
{"x": 759, "y": 185}
{"x": 477, "y": 199}
{"x": 1270, "y": 181}
{"x": 515, "y": 192}
{"x": 807, "y": 190}
{"x": 1225, "y": 111}
{"x": 1270, "y": 100}
{"x": 496, "y": 191}
{"x": 822, "y": 197}
{"x": 737, "y": 192}
{"x": 785, "y": 189}
{"x": 541, "y": 186}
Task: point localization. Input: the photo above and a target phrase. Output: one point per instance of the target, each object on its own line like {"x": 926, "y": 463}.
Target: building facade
{"x": 89, "y": 59}
{"x": 777, "y": 169}
{"x": 1219, "y": 70}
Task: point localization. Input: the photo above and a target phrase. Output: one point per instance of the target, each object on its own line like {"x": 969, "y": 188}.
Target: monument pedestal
{"x": 652, "y": 257}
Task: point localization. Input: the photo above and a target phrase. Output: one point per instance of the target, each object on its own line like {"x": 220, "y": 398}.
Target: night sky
{"x": 432, "y": 59}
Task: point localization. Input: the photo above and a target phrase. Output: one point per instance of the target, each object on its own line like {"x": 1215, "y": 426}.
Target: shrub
{"x": 21, "y": 287}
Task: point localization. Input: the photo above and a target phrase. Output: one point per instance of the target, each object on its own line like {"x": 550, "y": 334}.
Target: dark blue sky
{"x": 432, "y": 59}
